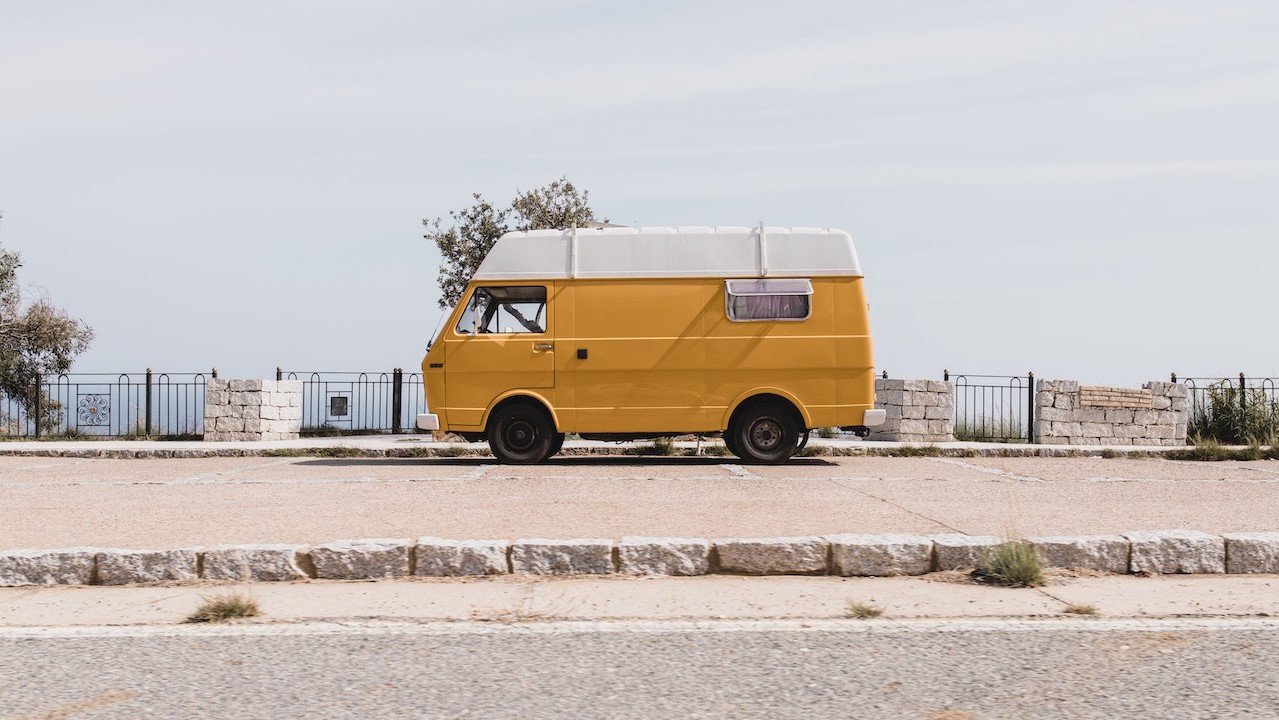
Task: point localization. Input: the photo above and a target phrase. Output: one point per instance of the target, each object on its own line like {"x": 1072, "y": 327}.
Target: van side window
{"x": 768, "y": 299}
{"x": 504, "y": 309}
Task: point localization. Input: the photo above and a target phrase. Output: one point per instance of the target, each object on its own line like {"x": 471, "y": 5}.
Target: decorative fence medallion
{"x": 94, "y": 410}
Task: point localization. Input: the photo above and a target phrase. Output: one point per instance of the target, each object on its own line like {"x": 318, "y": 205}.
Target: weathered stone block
{"x": 880, "y": 555}
{"x": 913, "y": 412}
{"x": 125, "y": 567}
{"x": 238, "y": 386}
{"x": 361, "y": 559}
{"x": 269, "y": 412}
{"x": 254, "y": 563}
{"x": 1090, "y": 415}
{"x": 937, "y": 412}
{"x": 889, "y": 384}
{"x": 889, "y": 397}
{"x": 1252, "y": 552}
{"x": 68, "y": 566}
{"x": 437, "y": 557}
{"x": 664, "y": 556}
{"x": 772, "y": 556}
{"x": 1176, "y": 551}
{"x": 1161, "y": 403}
{"x": 1107, "y": 553}
{"x": 1044, "y": 399}
{"x": 246, "y": 399}
{"x": 292, "y": 412}
{"x": 952, "y": 551}
{"x": 1097, "y": 430}
{"x": 562, "y": 557}
{"x": 1065, "y": 401}
{"x": 230, "y": 425}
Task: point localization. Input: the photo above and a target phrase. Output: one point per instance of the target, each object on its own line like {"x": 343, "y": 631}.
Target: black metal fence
{"x": 144, "y": 404}
{"x": 997, "y": 408}
{"x": 353, "y": 402}
{"x": 1233, "y": 409}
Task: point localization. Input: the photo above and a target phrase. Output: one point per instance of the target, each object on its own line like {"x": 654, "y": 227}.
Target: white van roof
{"x": 627, "y": 252}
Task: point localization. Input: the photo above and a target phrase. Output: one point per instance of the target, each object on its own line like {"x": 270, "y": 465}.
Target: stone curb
{"x": 1164, "y": 552}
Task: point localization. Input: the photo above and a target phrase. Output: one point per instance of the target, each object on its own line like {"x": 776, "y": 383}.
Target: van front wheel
{"x": 521, "y": 434}
{"x": 766, "y": 433}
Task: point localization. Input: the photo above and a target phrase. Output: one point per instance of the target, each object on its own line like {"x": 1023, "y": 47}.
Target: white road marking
{"x": 211, "y": 477}
{"x": 739, "y": 471}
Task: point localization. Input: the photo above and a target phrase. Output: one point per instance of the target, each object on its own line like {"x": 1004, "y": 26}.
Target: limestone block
{"x": 1092, "y": 415}
{"x": 915, "y": 427}
{"x": 1180, "y": 404}
{"x": 361, "y": 559}
{"x": 292, "y": 412}
{"x": 1177, "y": 390}
{"x": 664, "y": 556}
{"x": 915, "y": 385}
{"x": 946, "y": 400}
{"x": 914, "y": 412}
{"x": 1056, "y": 414}
{"x": 1177, "y": 551}
{"x": 1065, "y": 401}
{"x": 1145, "y": 417}
{"x": 1047, "y": 439}
{"x": 1048, "y": 386}
{"x": 562, "y": 557}
{"x": 1107, "y": 553}
{"x": 923, "y": 398}
{"x": 254, "y": 563}
{"x": 124, "y": 567}
{"x": 217, "y": 384}
{"x": 1252, "y": 552}
{"x": 952, "y": 551}
{"x": 889, "y": 384}
{"x": 436, "y": 557}
{"x": 246, "y": 399}
{"x": 1060, "y": 386}
{"x": 252, "y": 425}
{"x": 1161, "y": 403}
{"x": 68, "y": 566}
{"x": 889, "y": 397}
{"x": 772, "y": 556}
{"x": 1160, "y": 432}
{"x": 1044, "y": 399}
{"x": 269, "y": 412}
{"x": 1066, "y": 429}
{"x": 230, "y": 424}
{"x": 941, "y": 429}
{"x": 1119, "y": 440}
{"x": 880, "y": 555}
{"x": 939, "y": 386}
{"x": 239, "y": 386}
{"x": 1097, "y": 430}
{"x": 215, "y": 411}
{"x": 1119, "y": 415}
{"x": 1043, "y": 428}
{"x": 937, "y": 412}
{"x": 216, "y": 397}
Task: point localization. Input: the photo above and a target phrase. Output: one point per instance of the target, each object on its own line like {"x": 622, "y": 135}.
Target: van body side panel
{"x": 855, "y": 388}
{"x": 481, "y": 368}
{"x": 433, "y": 383}
{"x": 796, "y": 356}
{"x": 645, "y": 364}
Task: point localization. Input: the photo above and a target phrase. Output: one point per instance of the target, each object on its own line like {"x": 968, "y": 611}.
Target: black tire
{"x": 765, "y": 433}
{"x": 729, "y": 442}
{"x": 556, "y": 445}
{"x": 521, "y": 434}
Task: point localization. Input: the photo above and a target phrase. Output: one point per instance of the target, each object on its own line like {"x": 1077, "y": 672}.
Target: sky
{"x": 1085, "y": 190}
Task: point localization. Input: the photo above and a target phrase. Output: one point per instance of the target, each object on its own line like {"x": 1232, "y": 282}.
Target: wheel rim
{"x": 766, "y": 434}
{"x": 519, "y": 434}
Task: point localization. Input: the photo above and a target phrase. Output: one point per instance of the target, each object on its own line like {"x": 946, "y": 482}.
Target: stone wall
{"x": 915, "y": 410}
{"x": 252, "y": 410}
{"x": 1067, "y": 413}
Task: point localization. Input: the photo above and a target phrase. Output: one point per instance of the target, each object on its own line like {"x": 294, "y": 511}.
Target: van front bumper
{"x": 429, "y": 421}
{"x": 870, "y": 419}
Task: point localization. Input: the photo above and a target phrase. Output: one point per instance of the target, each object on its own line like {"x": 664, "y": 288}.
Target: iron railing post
{"x": 1030, "y": 409}
{"x": 397, "y": 399}
{"x": 1243, "y": 399}
{"x": 35, "y": 405}
{"x": 148, "y": 413}
{"x": 279, "y": 374}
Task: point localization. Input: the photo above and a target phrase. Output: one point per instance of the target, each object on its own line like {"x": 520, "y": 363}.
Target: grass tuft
{"x": 1015, "y": 563}
{"x": 861, "y": 611}
{"x": 223, "y": 608}
{"x": 1077, "y": 609}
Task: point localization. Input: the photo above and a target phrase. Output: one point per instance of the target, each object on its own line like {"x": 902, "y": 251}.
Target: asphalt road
{"x": 927, "y": 670}
{"x": 64, "y": 502}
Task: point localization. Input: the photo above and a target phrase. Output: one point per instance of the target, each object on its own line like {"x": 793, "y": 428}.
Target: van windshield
{"x": 504, "y": 309}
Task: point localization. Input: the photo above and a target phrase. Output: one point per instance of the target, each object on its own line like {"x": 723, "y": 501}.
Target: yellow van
{"x": 623, "y": 333}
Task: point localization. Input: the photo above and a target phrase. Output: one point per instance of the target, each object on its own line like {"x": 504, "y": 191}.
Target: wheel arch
{"x": 759, "y": 395}
{"x": 521, "y": 396}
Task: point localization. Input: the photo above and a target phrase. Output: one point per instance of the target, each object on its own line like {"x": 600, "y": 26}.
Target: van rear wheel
{"x": 766, "y": 433}
{"x": 521, "y": 433}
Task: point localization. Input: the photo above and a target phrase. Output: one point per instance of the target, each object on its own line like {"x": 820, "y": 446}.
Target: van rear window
{"x": 768, "y": 299}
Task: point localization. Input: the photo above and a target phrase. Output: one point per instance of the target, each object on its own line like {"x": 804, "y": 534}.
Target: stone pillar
{"x": 915, "y": 410}
{"x": 1067, "y": 413}
{"x": 252, "y": 410}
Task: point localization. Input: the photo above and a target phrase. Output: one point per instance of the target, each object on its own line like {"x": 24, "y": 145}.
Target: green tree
{"x": 466, "y": 236}
{"x": 35, "y": 338}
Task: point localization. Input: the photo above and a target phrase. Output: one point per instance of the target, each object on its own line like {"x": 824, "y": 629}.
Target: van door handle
{"x": 540, "y": 347}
